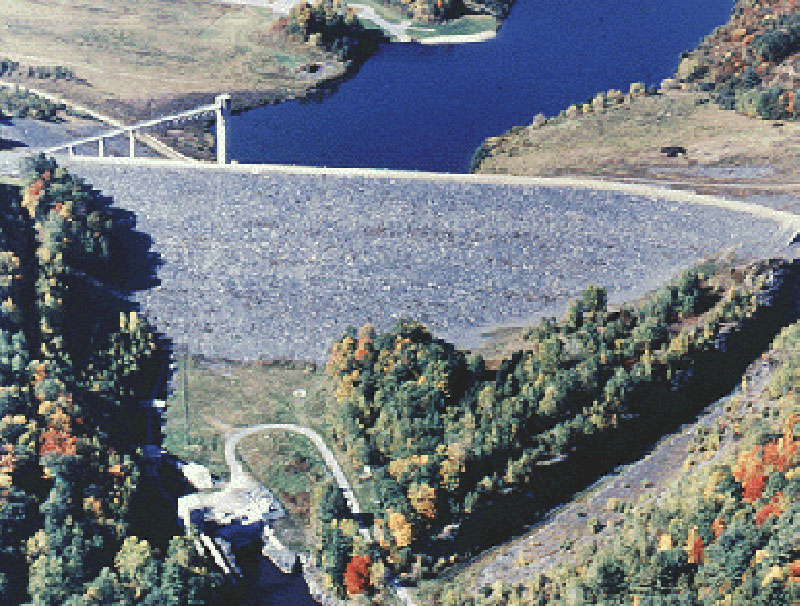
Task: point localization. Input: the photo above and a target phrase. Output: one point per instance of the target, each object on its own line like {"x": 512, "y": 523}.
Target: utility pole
{"x": 185, "y": 392}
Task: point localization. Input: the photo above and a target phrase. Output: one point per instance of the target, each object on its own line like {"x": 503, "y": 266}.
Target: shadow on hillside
{"x": 7, "y": 144}
{"x": 134, "y": 264}
{"x": 102, "y": 290}
{"x": 102, "y": 293}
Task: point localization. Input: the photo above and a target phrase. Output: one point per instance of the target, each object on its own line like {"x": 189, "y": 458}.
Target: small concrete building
{"x": 252, "y": 505}
{"x": 198, "y": 476}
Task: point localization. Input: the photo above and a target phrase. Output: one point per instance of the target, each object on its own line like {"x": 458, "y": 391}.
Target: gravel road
{"x": 278, "y": 265}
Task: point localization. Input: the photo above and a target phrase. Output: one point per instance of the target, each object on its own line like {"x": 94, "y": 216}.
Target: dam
{"x": 270, "y": 262}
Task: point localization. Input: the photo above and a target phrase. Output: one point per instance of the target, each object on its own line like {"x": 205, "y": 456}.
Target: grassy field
{"x": 625, "y": 141}
{"x": 137, "y": 57}
{"x": 291, "y": 467}
{"x": 224, "y": 395}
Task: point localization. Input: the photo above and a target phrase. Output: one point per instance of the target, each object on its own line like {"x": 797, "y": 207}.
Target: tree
{"x": 357, "y": 575}
{"x": 332, "y": 504}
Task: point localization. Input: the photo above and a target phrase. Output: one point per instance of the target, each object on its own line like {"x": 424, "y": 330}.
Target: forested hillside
{"x": 79, "y": 521}
{"x": 752, "y": 63}
{"x": 457, "y": 450}
{"x": 725, "y": 535}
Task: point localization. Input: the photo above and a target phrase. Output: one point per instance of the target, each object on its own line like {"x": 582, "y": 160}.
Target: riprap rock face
{"x": 278, "y": 265}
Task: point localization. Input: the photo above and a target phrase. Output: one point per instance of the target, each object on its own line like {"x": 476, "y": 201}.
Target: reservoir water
{"x": 428, "y": 107}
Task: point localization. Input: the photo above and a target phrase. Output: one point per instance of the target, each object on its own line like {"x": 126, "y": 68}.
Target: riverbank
{"x": 193, "y": 139}
{"x": 459, "y": 38}
{"x": 156, "y": 58}
{"x": 687, "y": 135}
{"x": 391, "y": 21}
{"x": 162, "y": 58}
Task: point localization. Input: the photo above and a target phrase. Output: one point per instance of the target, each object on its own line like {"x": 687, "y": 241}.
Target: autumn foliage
{"x": 777, "y": 455}
{"x": 448, "y": 436}
{"x": 73, "y": 378}
{"x": 356, "y": 575}
{"x": 724, "y": 534}
{"x": 749, "y": 62}
{"x": 57, "y": 442}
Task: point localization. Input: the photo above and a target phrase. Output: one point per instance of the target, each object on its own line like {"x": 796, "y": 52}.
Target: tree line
{"x": 724, "y": 535}
{"x": 75, "y": 366}
{"x": 459, "y": 453}
{"x": 333, "y": 25}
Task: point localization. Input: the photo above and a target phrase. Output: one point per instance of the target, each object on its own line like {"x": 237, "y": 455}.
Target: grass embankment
{"x": 467, "y": 25}
{"x": 22, "y": 104}
{"x": 13, "y": 183}
{"x": 400, "y": 20}
{"x": 152, "y": 57}
{"x": 747, "y": 64}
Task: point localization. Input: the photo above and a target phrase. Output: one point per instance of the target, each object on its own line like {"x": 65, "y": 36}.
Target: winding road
{"x": 241, "y": 479}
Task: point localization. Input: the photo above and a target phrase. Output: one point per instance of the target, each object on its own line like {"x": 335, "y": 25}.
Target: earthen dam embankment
{"x": 270, "y": 262}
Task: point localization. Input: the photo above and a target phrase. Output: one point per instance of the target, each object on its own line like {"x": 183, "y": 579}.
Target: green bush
{"x": 779, "y": 41}
{"x": 22, "y": 104}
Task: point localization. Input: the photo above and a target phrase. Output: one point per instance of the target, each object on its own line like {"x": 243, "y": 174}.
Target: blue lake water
{"x": 428, "y": 107}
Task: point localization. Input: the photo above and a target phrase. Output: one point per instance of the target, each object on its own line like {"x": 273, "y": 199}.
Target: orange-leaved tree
{"x": 356, "y": 575}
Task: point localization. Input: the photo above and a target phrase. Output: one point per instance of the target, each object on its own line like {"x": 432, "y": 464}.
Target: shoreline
{"x": 121, "y": 112}
{"x": 127, "y": 114}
